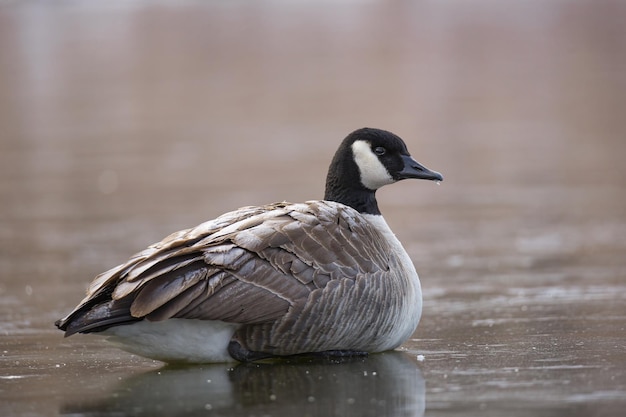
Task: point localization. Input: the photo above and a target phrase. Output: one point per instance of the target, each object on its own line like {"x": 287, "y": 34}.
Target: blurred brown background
{"x": 121, "y": 122}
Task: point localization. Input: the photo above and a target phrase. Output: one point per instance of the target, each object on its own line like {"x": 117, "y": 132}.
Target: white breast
{"x": 411, "y": 311}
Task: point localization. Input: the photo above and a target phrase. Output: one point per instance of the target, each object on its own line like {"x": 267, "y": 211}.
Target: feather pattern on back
{"x": 266, "y": 268}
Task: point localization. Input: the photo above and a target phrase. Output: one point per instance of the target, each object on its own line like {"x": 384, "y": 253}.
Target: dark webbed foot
{"x": 238, "y": 352}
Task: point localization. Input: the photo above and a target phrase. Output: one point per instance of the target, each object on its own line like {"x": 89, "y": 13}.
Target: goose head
{"x": 366, "y": 160}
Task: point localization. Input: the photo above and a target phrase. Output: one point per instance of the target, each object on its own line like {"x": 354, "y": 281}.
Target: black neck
{"x": 363, "y": 201}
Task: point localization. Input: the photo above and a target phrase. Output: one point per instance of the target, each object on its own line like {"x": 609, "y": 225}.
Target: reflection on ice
{"x": 381, "y": 384}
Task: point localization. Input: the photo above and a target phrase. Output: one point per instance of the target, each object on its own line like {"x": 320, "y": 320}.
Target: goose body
{"x": 275, "y": 280}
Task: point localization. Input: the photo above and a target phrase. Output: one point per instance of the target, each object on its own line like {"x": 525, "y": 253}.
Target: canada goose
{"x": 325, "y": 276}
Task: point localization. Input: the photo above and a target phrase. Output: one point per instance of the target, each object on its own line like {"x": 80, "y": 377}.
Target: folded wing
{"x": 249, "y": 266}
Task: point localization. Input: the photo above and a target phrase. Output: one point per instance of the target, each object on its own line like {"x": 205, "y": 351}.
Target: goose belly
{"x": 405, "y": 320}
{"x": 176, "y": 340}
{"x": 407, "y": 293}
{"x": 409, "y": 310}
{"x": 398, "y": 322}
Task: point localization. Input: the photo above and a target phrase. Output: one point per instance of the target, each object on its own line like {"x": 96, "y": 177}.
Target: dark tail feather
{"x": 99, "y": 317}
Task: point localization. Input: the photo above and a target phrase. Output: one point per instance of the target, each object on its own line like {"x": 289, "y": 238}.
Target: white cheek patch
{"x": 373, "y": 173}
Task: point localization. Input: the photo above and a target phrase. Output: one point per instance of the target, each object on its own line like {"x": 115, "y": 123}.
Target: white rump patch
{"x": 176, "y": 340}
{"x": 373, "y": 173}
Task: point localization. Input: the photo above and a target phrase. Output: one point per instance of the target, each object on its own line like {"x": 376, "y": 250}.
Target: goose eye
{"x": 379, "y": 150}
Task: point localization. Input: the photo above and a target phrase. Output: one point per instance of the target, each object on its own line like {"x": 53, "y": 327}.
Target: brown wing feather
{"x": 249, "y": 266}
